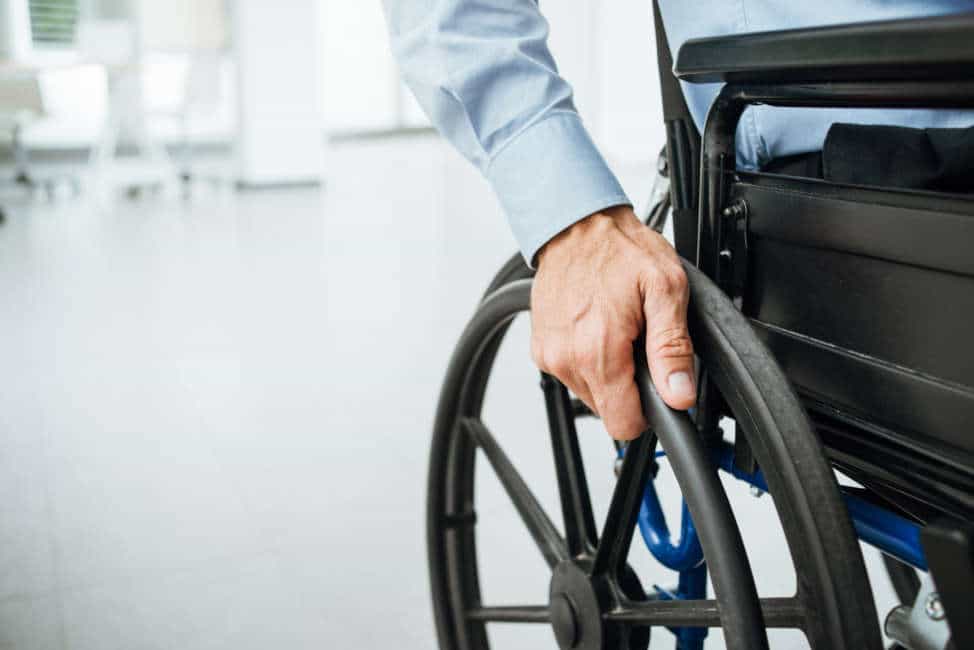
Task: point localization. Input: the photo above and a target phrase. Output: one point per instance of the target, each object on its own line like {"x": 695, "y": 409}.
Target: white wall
{"x": 630, "y": 111}
{"x": 278, "y": 64}
{"x": 359, "y": 77}
{"x": 14, "y": 29}
{"x": 606, "y": 50}
{"x": 183, "y": 25}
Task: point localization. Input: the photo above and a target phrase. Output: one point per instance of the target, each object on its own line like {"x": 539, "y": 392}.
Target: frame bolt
{"x": 756, "y": 492}
{"x": 736, "y": 210}
{"x": 663, "y": 164}
{"x": 933, "y": 607}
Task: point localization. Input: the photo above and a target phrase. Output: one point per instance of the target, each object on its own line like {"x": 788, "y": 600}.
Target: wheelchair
{"x": 832, "y": 325}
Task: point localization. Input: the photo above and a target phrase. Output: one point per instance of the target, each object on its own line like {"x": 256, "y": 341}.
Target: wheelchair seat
{"x": 864, "y": 294}
{"x": 917, "y": 49}
{"x": 866, "y": 298}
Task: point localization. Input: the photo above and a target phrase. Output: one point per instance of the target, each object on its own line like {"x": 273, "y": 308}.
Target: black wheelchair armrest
{"x": 919, "y": 49}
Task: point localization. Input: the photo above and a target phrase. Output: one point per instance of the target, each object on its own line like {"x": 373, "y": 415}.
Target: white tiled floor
{"x": 214, "y": 414}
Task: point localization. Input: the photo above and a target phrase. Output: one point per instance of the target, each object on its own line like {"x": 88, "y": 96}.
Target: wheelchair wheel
{"x": 595, "y": 599}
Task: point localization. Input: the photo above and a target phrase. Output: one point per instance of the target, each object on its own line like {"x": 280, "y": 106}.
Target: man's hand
{"x": 598, "y": 284}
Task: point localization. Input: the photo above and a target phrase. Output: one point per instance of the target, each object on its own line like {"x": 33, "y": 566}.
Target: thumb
{"x": 669, "y": 351}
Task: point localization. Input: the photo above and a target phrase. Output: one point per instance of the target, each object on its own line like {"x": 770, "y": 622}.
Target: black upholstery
{"x": 916, "y": 50}
{"x": 866, "y": 298}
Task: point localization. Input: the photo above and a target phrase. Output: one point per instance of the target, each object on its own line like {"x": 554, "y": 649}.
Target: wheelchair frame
{"x": 920, "y": 515}
{"x": 881, "y": 527}
{"x": 875, "y": 525}
{"x": 721, "y": 231}
{"x": 721, "y": 251}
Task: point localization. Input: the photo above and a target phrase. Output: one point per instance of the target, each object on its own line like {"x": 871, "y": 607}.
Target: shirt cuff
{"x": 550, "y": 176}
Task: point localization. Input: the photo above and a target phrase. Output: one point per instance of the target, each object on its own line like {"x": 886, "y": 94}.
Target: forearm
{"x": 483, "y": 73}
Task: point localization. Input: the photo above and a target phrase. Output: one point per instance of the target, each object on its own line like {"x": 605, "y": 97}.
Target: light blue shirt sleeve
{"x": 482, "y": 71}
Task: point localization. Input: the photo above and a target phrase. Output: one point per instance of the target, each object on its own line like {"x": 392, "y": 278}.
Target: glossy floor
{"x": 214, "y": 414}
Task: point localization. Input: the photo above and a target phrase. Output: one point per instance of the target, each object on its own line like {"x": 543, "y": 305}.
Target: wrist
{"x": 595, "y": 225}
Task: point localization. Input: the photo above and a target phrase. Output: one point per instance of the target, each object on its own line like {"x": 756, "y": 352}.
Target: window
{"x": 53, "y": 22}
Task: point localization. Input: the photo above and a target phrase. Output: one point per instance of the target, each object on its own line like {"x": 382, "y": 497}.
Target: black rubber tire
{"x": 514, "y": 269}
{"x": 832, "y": 582}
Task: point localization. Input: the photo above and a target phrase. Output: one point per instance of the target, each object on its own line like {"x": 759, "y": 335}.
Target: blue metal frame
{"x": 877, "y": 526}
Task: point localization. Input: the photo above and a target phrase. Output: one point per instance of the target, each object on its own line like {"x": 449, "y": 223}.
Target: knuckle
{"x": 558, "y": 363}
{"x": 623, "y": 416}
{"x": 674, "y": 280}
{"x": 669, "y": 279}
{"x": 601, "y": 406}
{"x": 672, "y": 343}
{"x": 587, "y": 358}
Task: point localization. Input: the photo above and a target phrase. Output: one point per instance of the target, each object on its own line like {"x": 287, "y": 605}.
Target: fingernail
{"x": 680, "y": 384}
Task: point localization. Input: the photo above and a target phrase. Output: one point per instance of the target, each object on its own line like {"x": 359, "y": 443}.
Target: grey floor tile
{"x": 247, "y": 605}
{"x": 31, "y": 623}
{"x": 119, "y": 514}
{"x": 27, "y": 564}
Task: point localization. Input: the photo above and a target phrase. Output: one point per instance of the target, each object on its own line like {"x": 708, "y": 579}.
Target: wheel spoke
{"x": 510, "y": 614}
{"x": 576, "y": 505}
{"x": 610, "y": 559}
{"x": 777, "y": 612}
{"x": 545, "y": 535}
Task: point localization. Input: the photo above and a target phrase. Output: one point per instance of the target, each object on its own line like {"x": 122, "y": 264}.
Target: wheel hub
{"x": 575, "y": 605}
{"x": 577, "y": 601}
{"x": 564, "y": 620}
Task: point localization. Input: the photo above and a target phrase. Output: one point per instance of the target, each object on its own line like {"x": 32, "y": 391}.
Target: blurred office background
{"x": 233, "y": 261}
